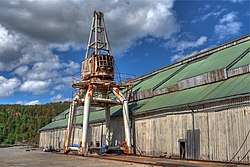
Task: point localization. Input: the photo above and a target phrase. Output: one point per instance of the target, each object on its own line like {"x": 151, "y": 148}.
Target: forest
{"x": 20, "y": 124}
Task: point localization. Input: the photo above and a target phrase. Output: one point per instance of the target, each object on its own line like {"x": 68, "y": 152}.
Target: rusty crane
{"x": 95, "y": 87}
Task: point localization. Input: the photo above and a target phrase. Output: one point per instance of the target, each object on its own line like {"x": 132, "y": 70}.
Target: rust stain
{"x": 90, "y": 91}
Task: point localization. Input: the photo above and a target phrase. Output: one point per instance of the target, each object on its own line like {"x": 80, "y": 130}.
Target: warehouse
{"x": 197, "y": 108}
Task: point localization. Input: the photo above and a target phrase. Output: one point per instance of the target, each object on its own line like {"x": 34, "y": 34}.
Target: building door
{"x": 193, "y": 144}
{"x": 182, "y": 145}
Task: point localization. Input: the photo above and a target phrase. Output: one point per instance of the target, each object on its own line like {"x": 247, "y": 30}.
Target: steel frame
{"x": 95, "y": 88}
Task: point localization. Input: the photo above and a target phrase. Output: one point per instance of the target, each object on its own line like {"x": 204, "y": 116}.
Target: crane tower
{"x": 95, "y": 88}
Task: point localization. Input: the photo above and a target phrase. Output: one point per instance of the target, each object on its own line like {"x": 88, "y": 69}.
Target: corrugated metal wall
{"x": 221, "y": 134}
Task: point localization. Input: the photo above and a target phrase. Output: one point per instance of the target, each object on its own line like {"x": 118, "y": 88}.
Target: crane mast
{"x": 97, "y": 88}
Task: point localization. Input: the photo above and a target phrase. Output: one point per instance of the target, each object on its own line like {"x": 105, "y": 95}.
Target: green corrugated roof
{"x": 210, "y": 63}
{"x": 219, "y": 59}
{"x": 94, "y": 116}
{"x": 242, "y": 62}
{"x": 55, "y": 124}
{"x": 154, "y": 80}
{"x": 231, "y": 87}
{"x": 172, "y": 81}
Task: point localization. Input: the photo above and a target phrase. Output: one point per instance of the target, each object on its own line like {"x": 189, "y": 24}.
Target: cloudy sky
{"x": 42, "y": 42}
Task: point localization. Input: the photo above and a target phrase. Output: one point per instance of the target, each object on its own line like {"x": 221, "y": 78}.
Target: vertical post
{"x": 194, "y": 151}
{"x": 90, "y": 37}
{"x": 107, "y": 120}
{"x": 96, "y": 31}
{"x": 69, "y": 127}
{"x": 87, "y": 103}
{"x": 125, "y": 113}
{"x": 193, "y": 133}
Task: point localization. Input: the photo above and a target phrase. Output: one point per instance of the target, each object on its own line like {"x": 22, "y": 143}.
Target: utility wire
{"x": 240, "y": 149}
{"x": 244, "y": 156}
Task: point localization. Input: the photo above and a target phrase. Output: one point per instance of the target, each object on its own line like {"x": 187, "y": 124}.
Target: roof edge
{"x": 196, "y": 56}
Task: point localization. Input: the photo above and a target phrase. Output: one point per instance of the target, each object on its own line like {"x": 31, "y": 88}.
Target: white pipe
{"x": 87, "y": 103}
{"x": 125, "y": 113}
{"x": 69, "y": 127}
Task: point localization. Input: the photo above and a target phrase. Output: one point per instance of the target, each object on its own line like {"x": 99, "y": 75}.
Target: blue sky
{"x": 42, "y": 43}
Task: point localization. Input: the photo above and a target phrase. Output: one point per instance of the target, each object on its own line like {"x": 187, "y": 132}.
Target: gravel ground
{"x": 18, "y": 156}
{"x": 24, "y": 156}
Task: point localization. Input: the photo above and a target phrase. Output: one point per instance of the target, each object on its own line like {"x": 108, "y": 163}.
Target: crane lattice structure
{"x": 96, "y": 87}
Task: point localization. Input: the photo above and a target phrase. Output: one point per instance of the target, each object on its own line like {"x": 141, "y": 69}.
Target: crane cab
{"x": 98, "y": 66}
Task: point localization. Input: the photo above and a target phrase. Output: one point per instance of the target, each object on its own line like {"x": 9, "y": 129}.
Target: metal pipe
{"x": 106, "y": 100}
{"x": 192, "y": 113}
{"x": 193, "y": 134}
{"x": 125, "y": 113}
{"x": 96, "y": 17}
{"x": 69, "y": 127}
{"x": 87, "y": 103}
{"x": 90, "y": 37}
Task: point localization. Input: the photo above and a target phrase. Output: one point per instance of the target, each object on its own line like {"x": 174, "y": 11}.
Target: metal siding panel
{"x": 238, "y": 71}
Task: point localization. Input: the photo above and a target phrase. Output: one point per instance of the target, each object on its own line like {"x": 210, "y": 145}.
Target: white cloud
{"x": 19, "y": 102}
{"x": 182, "y": 45}
{"x": 59, "y": 97}
{"x": 35, "y": 87}
{"x": 21, "y": 71}
{"x": 178, "y": 57}
{"x": 36, "y": 64}
{"x": 59, "y": 87}
{"x": 206, "y": 7}
{"x": 228, "y": 25}
{"x": 65, "y": 46}
{"x": 9, "y": 52}
{"x": 44, "y": 70}
{"x": 182, "y": 56}
{"x": 236, "y": 1}
{"x": 207, "y": 12}
{"x": 230, "y": 17}
{"x": 8, "y": 40}
{"x": 126, "y": 21}
{"x": 27, "y": 49}
{"x": 34, "y": 102}
{"x": 206, "y": 16}
{"x": 71, "y": 67}
{"x": 8, "y": 86}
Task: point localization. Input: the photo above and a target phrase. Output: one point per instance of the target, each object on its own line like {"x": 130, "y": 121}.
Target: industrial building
{"x": 197, "y": 108}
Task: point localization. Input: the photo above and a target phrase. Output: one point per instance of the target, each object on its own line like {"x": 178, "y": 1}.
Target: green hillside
{"x": 20, "y": 123}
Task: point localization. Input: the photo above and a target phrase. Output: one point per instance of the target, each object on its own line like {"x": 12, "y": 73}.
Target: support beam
{"x": 125, "y": 114}
{"x": 87, "y": 103}
{"x": 69, "y": 127}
